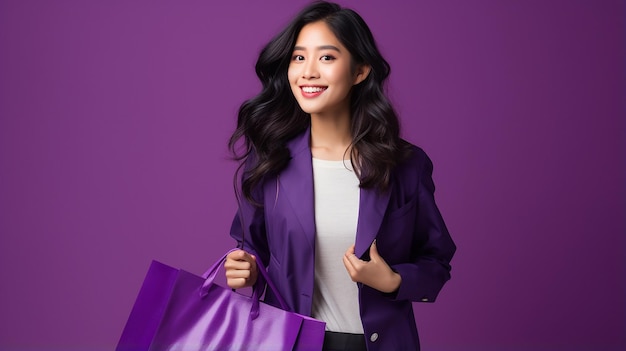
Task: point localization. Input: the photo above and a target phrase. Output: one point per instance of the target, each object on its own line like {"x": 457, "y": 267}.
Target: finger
{"x": 238, "y": 278}
{"x": 347, "y": 262}
{"x": 236, "y": 283}
{"x": 349, "y": 268}
{"x": 237, "y": 265}
{"x": 250, "y": 259}
{"x": 236, "y": 255}
{"x": 238, "y": 274}
{"x": 240, "y": 267}
{"x": 355, "y": 263}
{"x": 241, "y": 255}
{"x": 350, "y": 250}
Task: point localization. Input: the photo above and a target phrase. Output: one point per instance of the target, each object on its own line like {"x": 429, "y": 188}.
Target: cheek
{"x": 291, "y": 79}
{"x": 339, "y": 76}
{"x": 292, "y": 74}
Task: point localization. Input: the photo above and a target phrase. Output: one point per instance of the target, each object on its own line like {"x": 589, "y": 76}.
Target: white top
{"x": 335, "y": 297}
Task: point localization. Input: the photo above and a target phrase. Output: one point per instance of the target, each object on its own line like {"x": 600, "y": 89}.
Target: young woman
{"x": 336, "y": 205}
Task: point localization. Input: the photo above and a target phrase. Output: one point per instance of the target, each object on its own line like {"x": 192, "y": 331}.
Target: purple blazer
{"x": 410, "y": 232}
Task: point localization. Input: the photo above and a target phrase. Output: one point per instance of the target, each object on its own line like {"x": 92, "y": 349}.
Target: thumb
{"x": 374, "y": 251}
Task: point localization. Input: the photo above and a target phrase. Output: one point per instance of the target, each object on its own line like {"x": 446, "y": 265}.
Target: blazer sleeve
{"x": 248, "y": 227}
{"x": 433, "y": 248}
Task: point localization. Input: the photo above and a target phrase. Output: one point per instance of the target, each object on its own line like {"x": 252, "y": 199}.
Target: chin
{"x": 312, "y": 111}
{"x": 309, "y": 109}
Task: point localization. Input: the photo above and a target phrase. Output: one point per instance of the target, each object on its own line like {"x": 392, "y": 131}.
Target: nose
{"x": 309, "y": 71}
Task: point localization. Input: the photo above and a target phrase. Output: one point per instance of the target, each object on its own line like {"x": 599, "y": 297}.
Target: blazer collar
{"x": 297, "y": 183}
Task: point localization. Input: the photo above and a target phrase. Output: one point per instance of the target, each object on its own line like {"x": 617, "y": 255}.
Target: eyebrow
{"x": 323, "y": 47}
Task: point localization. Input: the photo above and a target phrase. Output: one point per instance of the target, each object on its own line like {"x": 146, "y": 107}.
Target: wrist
{"x": 397, "y": 281}
{"x": 393, "y": 284}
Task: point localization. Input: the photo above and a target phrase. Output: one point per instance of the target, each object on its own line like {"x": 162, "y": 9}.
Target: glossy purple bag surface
{"x": 177, "y": 310}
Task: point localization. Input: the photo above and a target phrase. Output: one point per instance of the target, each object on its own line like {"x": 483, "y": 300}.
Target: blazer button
{"x": 425, "y": 299}
{"x": 374, "y": 337}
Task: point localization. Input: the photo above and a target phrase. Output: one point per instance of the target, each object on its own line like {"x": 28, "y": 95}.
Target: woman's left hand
{"x": 374, "y": 273}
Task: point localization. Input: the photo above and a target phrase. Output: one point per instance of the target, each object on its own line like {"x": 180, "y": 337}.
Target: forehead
{"x": 317, "y": 34}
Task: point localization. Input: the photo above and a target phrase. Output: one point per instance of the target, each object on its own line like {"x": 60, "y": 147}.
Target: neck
{"x": 330, "y": 136}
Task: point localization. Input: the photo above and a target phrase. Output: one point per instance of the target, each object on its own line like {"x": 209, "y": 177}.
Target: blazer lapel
{"x": 296, "y": 183}
{"x": 372, "y": 207}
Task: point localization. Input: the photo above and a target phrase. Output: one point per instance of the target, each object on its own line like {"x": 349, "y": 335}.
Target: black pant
{"x": 334, "y": 341}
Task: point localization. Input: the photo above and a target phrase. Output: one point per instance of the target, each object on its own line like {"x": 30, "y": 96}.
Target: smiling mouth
{"x": 312, "y": 90}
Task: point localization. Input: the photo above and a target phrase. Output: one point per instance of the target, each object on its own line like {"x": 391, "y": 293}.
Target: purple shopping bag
{"x": 177, "y": 310}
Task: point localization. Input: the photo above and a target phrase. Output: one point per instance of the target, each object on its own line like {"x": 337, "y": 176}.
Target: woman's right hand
{"x": 241, "y": 269}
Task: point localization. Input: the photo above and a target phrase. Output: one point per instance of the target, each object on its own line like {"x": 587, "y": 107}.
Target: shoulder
{"x": 414, "y": 172}
{"x": 416, "y": 162}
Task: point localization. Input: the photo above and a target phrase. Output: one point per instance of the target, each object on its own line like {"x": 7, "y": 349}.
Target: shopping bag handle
{"x": 211, "y": 273}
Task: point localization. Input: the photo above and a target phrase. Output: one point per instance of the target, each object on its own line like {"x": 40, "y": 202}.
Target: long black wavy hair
{"x": 273, "y": 117}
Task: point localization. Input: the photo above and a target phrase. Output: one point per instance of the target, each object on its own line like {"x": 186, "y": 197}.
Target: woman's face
{"x": 321, "y": 73}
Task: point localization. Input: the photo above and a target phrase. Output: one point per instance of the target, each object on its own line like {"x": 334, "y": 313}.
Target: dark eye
{"x": 327, "y": 58}
{"x": 297, "y": 58}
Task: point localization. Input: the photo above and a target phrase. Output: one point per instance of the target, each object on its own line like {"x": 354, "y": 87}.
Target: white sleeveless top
{"x": 335, "y": 297}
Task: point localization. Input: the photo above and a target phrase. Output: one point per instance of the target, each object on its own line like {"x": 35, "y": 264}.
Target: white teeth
{"x": 312, "y": 89}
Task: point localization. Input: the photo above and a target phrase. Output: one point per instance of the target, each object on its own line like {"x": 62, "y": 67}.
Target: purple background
{"x": 114, "y": 117}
